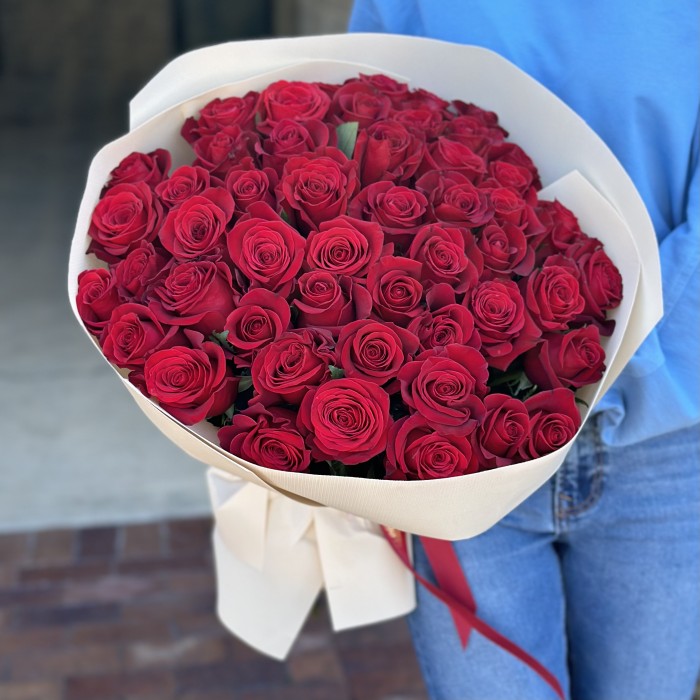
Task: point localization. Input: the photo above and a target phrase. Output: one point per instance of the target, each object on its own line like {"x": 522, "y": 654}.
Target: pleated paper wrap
{"x": 281, "y": 537}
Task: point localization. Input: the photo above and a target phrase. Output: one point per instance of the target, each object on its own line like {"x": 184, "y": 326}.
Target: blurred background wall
{"x": 74, "y": 449}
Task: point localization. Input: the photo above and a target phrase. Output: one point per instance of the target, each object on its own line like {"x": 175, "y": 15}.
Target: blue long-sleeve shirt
{"x": 630, "y": 69}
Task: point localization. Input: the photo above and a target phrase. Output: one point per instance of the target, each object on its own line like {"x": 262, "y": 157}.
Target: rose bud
{"x": 133, "y": 333}
{"x": 416, "y": 451}
{"x": 505, "y": 250}
{"x": 219, "y": 114}
{"x": 125, "y": 216}
{"x": 358, "y": 101}
{"x": 554, "y": 420}
{"x": 295, "y": 100}
{"x": 266, "y": 250}
{"x": 387, "y": 150}
{"x": 503, "y": 431}
{"x": 445, "y": 154}
{"x": 446, "y": 387}
{"x": 317, "y": 187}
{"x": 454, "y": 199}
{"x": 191, "y": 383}
{"x": 327, "y": 301}
{"x": 224, "y": 149}
{"x": 97, "y": 297}
{"x": 449, "y": 255}
{"x": 445, "y": 322}
{"x": 400, "y": 211}
{"x": 289, "y": 138}
{"x": 268, "y": 437}
{"x": 506, "y": 328}
{"x": 395, "y": 289}
{"x": 375, "y": 351}
{"x": 197, "y": 294}
{"x": 187, "y": 181}
{"x": 553, "y": 297}
{"x": 285, "y": 369}
{"x": 344, "y": 246}
{"x": 138, "y": 270}
{"x": 198, "y": 225}
{"x": 259, "y": 318}
{"x": 570, "y": 360}
{"x": 345, "y": 420}
{"x": 149, "y": 168}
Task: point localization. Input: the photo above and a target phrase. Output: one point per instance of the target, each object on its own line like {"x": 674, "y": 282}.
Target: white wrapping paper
{"x": 261, "y": 536}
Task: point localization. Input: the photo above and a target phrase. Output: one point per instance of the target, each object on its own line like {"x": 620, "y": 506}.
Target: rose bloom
{"x": 601, "y": 281}
{"x": 358, "y": 101}
{"x": 138, "y": 270}
{"x": 554, "y": 420}
{"x": 289, "y": 137}
{"x": 344, "y": 246}
{"x": 190, "y": 383}
{"x": 553, "y": 297}
{"x": 248, "y": 185}
{"x": 223, "y": 150}
{"x": 571, "y": 360}
{"x": 266, "y": 250}
{"x": 288, "y": 367}
{"x": 445, "y": 154}
{"x": 149, "y": 168}
{"x": 505, "y": 250}
{"x": 184, "y": 183}
{"x": 446, "y": 387}
{"x": 345, "y": 420}
{"x": 454, "y": 199}
{"x": 219, "y": 114}
{"x": 259, "y": 318}
{"x": 127, "y": 215}
{"x": 268, "y": 437}
{"x": 503, "y": 430}
{"x": 395, "y": 289}
{"x": 295, "y": 100}
{"x": 375, "y": 351}
{"x": 415, "y": 451}
{"x": 96, "y": 299}
{"x": 198, "y": 225}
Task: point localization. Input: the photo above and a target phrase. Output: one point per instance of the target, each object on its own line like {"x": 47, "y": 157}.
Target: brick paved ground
{"x": 128, "y": 612}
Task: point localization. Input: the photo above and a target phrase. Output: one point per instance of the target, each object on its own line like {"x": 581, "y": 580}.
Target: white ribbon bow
{"x": 273, "y": 556}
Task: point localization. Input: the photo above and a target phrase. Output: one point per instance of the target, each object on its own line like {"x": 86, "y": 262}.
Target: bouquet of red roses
{"x": 303, "y": 269}
{"x": 351, "y": 279}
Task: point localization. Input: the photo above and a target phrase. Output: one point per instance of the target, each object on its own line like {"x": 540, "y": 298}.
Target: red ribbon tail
{"x": 453, "y": 590}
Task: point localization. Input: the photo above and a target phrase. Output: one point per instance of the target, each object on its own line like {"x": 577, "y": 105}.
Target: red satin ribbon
{"x": 453, "y": 590}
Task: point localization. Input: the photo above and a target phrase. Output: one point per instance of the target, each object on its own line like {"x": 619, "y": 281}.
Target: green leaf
{"x": 337, "y": 468}
{"x": 230, "y": 411}
{"x": 284, "y": 216}
{"x": 244, "y": 383}
{"x": 347, "y": 136}
{"x": 581, "y": 401}
{"x": 219, "y": 338}
{"x": 336, "y": 372}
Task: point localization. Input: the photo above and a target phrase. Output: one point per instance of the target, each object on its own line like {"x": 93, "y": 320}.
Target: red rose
{"x": 502, "y": 321}
{"x": 345, "y": 420}
{"x": 553, "y": 296}
{"x": 149, "y": 168}
{"x": 138, "y": 270}
{"x": 601, "y": 281}
{"x": 449, "y": 255}
{"x": 289, "y": 138}
{"x": 358, "y": 101}
{"x": 445, "y": 322}
{"x": 248, "y": 185}
{"x": 554, "y": 420}
{"x": 295, "y": 100}
{"x": 259, "y": 318}
{"x": 510, "y": 207}
{"x": 416, "y": 451}
{"x": 184, "y": 183}
{"x": 508, "y": 175}
{"x": 219, "y": 114}
{"x": 445, "y": 154}
{"x": 190, "y": 383}
{"x": 454, "y": 199}
{"x": 400, "y": 211}
{"x": 375, "y": 351}
{"x": 328, "y": 301}
{"x": 395, "y": 289}
{"x": 571, "y": 360}
{"x": 446, "y": 387}
{"x": 387, "y": 150}
{"x": 96, "y": 299}
{"x": 267, "y": 251}
{"x": 198, "y": 225}
{"x": 133, "y": 333}
{"x": 268, "y": 437}
{"x": 224, "y": 149}
{"x": 317, "y": 187}
{"x": 345, "y": 246}
{"x": 197, "y": 294}
{"x": 561, "y": 228}
{"x": 424, "y": 99}
{"x": 472, "y": 132}
{"x": 505, "y": 250}
{"x": 509, "y": 152}
{"x": 285, "y": 369}
{"x": 503, "y": 431}
{"x": 125, "y": 216}
{"x": 423, "y": 122}
{"x": 393, "y": 89}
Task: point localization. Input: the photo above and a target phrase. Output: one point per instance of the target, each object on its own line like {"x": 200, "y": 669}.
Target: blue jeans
{"x": 596, "y": 575}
